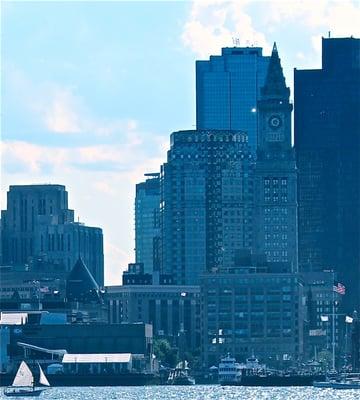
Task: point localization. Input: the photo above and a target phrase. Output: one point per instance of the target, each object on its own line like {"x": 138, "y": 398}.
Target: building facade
{"x": 327, "y": 142}
{"x": 228, "y": 89}
{"x": 318, "y": 327}
{"x": 275, "y": 176}
{"x": 206, "y": 202}
{"x": 173, "y": 311}
{"x": 147, "y": 223}
{"x": 38, "y": 223}
{"x": 252, "y": 311}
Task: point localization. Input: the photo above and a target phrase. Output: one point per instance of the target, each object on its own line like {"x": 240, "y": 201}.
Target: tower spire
{"x": 275, "y": 86}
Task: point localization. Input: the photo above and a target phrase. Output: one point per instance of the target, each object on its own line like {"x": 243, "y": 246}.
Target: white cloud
{"x": 60, "y": 108}
{"x": 102, "y": 197}
{"x": 60, "y": 116}
{"x": 212, "y": 24}
{"x": 62, "y": 111}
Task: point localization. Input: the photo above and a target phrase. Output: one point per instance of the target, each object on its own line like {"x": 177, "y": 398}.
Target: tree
{"x": 166, "y": 354}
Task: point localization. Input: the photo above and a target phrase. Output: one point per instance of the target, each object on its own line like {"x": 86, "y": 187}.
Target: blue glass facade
{"x": 228, "y": 88}
{"x": 147, "y": 208}
{"x": 327, "y": 143}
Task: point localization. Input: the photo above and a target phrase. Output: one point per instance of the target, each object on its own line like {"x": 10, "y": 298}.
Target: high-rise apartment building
{"x": 228, "y": 89}
{"x": 327, "y": 143}
{"x": 206, "y": 202}
{"x": 147, "y": 222}
{"x": 275, "y": 182}
{"x": 38, "y": 223}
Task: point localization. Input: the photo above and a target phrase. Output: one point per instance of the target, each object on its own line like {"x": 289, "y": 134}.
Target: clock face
{"x": 275, "y": 122}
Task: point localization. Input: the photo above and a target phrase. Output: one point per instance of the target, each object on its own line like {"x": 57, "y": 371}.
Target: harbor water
{"x": 197, "y": 392}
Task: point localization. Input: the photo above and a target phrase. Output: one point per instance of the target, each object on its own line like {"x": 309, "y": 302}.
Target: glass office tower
{"x": 228, "y": 88}
{"x": 147, "y": 229}
{"x": 327, "y": 143}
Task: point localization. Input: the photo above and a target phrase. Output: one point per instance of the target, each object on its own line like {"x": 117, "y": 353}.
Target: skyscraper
{"x": 206, "y": 202}
{"x": 327, "y": 143}
{"x": 147, "y": 222}
{"x": 228, "y": 88}
{"x": 275, "y": 182}
{"x": 38, "y": 223}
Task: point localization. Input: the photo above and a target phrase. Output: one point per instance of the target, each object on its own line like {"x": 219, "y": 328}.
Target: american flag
{"x": 339, "y": 288}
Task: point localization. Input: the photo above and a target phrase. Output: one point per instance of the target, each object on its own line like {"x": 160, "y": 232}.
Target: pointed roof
{"x": 275, "y": 85}
{"x": 80, "y": 284}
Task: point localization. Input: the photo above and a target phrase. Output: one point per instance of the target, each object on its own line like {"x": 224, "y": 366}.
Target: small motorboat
{"x": 180, "y": 375}
{"x": 347, "y": 384}
{"x": 24, "y": 383}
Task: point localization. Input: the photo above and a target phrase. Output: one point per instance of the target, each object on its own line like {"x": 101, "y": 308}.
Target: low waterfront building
{"x": 33, "y": 340}
{"x": 97, "y": 363}
{"x": 253, "y": 310}
{"x": 173, "y": 310}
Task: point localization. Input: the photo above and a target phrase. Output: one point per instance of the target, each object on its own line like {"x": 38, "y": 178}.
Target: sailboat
{"x": 24, "y": 383}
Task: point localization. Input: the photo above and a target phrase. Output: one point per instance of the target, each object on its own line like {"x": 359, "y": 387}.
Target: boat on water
{"x": 253, "y": 373}
{"x": 229, "y": 370}
{"x": 181, "y": 375}
{"x": 24, "y": 383}
{"x": 342, "y": 381}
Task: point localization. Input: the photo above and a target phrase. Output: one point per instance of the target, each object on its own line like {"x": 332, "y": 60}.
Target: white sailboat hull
{"x": 19, "y": 391}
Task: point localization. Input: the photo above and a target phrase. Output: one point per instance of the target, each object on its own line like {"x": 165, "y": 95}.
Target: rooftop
{"x": 97, "y": 358}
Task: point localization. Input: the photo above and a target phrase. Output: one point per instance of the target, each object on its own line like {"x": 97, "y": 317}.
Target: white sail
{"x": 43, "y": 379}
{"x": 24, "y": 376}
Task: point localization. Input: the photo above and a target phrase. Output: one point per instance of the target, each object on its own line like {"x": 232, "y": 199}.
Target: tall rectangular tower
{"x": 38, "y": 223}
{"x": 147, "y": 222}
{"x": 206, "y": 202}
{"x": 327, "y": 143}
{"x": 228, "y": 88}
{"x": 275, "y": 209}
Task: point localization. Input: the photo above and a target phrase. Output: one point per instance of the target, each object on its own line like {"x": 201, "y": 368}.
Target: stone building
{"x": 38, "y": 223}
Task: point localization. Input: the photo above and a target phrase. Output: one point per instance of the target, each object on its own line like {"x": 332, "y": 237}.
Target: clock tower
{"x": 275, "y": 182}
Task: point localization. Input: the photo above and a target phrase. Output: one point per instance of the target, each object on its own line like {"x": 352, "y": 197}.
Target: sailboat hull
{"x": 22, "y": 392}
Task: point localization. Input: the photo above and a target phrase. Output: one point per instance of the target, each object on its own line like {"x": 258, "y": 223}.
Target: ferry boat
{"x": 253, "y": 373}
{"x": 229, "y": 370}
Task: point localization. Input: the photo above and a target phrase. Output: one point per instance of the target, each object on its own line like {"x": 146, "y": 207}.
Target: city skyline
{"x": 77, "y": 120}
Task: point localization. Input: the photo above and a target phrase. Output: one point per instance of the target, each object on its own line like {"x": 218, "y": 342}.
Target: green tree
{"x": 165, "y": 353}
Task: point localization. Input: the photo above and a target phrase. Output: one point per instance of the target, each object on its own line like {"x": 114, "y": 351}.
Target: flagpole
{"x": 346, "y": 342}
{"x": 333, "y": 323}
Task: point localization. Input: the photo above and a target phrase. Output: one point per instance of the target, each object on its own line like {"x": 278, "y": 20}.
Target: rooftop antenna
{"x": 329, "y": 34}
{"x": 79, "y": 237}
{"x": 236, "y": 41}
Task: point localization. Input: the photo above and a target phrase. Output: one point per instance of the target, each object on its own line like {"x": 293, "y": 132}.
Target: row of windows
{"x": 275, "y": 181}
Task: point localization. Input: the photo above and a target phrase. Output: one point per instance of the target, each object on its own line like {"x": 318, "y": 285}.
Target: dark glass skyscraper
{"x": 327, "y": 142}
{"x": 228, "y": 88}
{"x": 147, "y": 222}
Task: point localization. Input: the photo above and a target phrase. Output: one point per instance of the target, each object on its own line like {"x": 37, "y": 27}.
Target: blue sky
{"x": 91, "y": 90}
